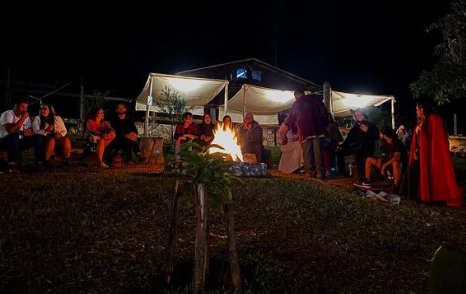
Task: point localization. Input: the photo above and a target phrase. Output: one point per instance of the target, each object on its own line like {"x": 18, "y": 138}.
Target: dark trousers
{"x": 410, "y": 182}
{"x": 255, "y": 148}
{"x": 14, "y": 145}
{"x": 128, "y": 145}
{"x": 359, "y": 156}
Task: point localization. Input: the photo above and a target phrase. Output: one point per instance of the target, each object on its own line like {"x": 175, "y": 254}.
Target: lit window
{"x": 241, "y": 73}
{"x": 257, "y": 75}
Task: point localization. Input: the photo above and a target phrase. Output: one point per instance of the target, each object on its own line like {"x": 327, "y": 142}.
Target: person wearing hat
{"x": 360, "y": 143}
{"x": 394, "y": 156}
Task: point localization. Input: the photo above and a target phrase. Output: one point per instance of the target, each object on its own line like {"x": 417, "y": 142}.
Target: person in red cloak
{"x": 430, "y": 176}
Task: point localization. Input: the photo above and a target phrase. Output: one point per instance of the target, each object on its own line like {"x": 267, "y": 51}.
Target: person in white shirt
{"x": 52, "y": 128}
{"x": 16, "y": 135}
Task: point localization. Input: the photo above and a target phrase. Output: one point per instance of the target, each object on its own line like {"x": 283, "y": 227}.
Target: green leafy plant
{"x": 212, "y": 170}
{"x": 172, "y": 106}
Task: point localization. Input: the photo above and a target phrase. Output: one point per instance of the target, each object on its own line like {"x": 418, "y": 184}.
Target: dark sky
{"x": 375, "y": 47}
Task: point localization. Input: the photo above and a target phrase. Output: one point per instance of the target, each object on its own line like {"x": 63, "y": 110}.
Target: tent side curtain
{"x": 195, "y": 91}
{"x": 343, "y": 103}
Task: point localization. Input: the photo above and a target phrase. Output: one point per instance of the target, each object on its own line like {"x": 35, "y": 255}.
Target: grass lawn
{"x": 91, "y": 231}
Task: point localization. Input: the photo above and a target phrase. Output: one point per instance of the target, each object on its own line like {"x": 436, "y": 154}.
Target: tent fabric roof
{"x": 343, "y": 103}
{"x": 195, "y": 91}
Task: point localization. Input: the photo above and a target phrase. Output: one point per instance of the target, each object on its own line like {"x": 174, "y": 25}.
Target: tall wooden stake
{"x": 234, "y": 264}
{"x": 201, "y": 254}
{"x": 168, "y": 271}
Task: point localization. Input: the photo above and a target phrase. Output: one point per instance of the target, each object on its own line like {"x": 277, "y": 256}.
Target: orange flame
{"x": 228, "y": 139}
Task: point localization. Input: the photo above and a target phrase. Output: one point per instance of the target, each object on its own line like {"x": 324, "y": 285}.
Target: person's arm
{"x": 396, "y": 157}
{"x": 256, "y": 135}
{"x": 36, "y": 127}
{"x": 61, "y": 131}
{"x": 13, "y": 127}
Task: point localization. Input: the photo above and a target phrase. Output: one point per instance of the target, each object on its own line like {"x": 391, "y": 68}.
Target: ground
{"x": 104, "y": 231}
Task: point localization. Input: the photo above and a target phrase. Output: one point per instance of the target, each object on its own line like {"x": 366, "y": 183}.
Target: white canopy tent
{"x": 264, "y": 103}
{"x": 343, "y": 103}
{"x": 197, "y": 92}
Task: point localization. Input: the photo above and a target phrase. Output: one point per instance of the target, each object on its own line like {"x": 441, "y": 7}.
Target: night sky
{"x": 374, "y": 47}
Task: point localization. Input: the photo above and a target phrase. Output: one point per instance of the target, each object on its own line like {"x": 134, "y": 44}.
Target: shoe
{"x": 320, "y": 177}
{"x": 104, "y": 165}
{"x": 364, "y": 184}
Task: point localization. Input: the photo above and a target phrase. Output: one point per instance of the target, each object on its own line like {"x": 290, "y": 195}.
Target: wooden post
{"x": 170, "y": 251}
{"x": 234, "y": 264}
{"x": 81, "y": 98}
{"x": 8, "y": 89}
{"x": 201, "y": 255}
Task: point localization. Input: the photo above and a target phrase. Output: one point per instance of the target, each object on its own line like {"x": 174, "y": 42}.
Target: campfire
{"x": 228, "y": 139}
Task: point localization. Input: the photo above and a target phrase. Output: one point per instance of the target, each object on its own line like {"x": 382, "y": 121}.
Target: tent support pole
{"x": 146, "y": 121}
{"x": 393, "y": 113}
{"x": 244, "y": 102}
{"x": 225, "y": 106}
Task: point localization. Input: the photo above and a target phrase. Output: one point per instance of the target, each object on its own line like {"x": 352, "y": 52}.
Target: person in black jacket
{"x": 126, "y": 134}
{"x": 360, "y": 143}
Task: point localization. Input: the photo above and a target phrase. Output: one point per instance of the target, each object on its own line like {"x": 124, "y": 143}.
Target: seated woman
{"x": 50, "y": 125}
{"x": 292, "y": 154}
{"x": 185, "y": 132}
{"x": 250, "y": 137}
{"x": 97, "y": 134}
{"x": 205, "y": 132}
{"x": 227, "y": 122}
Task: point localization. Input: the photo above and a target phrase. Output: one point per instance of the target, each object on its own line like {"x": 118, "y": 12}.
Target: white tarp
{"x": 195, "y": 91}
{"x": 263, "y": 103}
{"x": 343, "y": 103}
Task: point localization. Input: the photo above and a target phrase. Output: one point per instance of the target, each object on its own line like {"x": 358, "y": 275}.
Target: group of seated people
{"x": 47, "y": 133}
{"x": 249, "y": 134}
{"x": 419, "y": 167}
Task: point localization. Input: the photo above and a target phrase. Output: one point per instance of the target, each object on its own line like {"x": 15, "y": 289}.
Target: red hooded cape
{"x": 437, "y": 181}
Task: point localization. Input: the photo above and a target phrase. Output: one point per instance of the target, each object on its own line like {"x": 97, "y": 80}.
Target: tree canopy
{"x": 447, "y": 80}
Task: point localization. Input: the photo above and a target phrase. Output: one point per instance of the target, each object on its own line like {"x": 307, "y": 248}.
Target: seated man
{"x": 250, "y": 137}
{"x": 360, "y": 143}
{"x": 394, "y": 155}
{"x": 126, "y": 134}
{"x": 16, "y": 135}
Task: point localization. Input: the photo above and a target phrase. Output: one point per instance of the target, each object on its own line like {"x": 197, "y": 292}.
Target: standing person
{"x": 430, "y": 176}
{"x": 185, "y": 132}
{"x": 404, "y": 136}
{"x": 205, "y": 131}
{"x": 331, "y": 141}
{"x": 360, "y": 143}
{"x": 291, "y": 159}
{"x": 126, "y": 134}
{"x": 250, "y": 137}
{"x": 16, "y": 135}
{"x": 98, "y": 134}
{"x": 309, "y": 114}
{"x": 52, "y": 128}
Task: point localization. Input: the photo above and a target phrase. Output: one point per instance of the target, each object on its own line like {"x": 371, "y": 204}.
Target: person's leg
{"x": 64, "y": 144}
{"x": 50, "y": 144}
{"x": 306, "y": 147}
{"x": 396, "y": 173}
{"x": 11, "y": 143}
{"x": 317, "y": 152}
{"x": 257, "y": 150}
{"x": 101, "y": 146}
